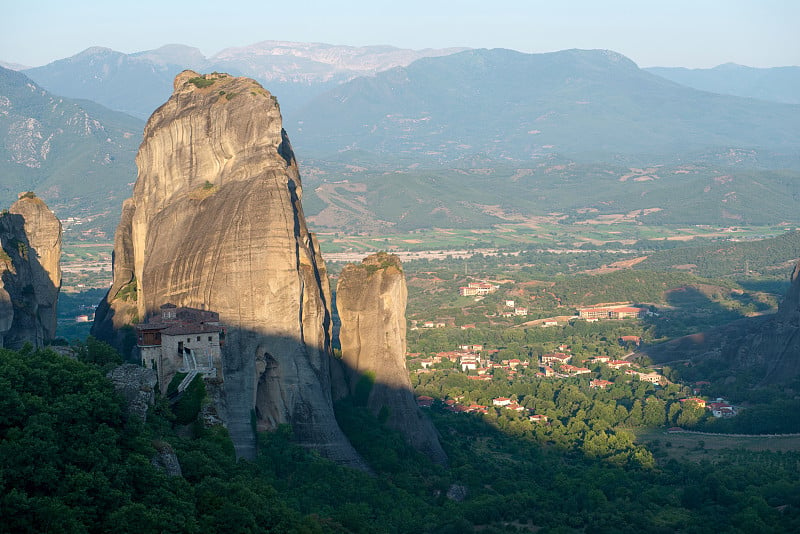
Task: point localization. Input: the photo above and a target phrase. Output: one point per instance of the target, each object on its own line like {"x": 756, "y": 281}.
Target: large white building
{"x": 181, "y": 340}
{"x": 611, "y": 312}
{"x": 477, "y": 288}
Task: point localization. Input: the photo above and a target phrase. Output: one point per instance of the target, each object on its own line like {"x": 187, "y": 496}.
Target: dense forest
{"x": 72, "y": 461}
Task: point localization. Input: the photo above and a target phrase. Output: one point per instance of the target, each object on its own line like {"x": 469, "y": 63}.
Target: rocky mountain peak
{"x": 371, "y": 301}
{"x": 30, "y": 272}
{"x": 215, "y": 224}
{"x": 215, "y": 129}
{"x": 95, "y": 51}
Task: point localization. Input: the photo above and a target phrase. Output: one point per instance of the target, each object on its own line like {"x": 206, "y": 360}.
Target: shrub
{"x": 128, "y": 292}
{"x": 187, "y": 408}
{"x": 204, "y": 191}
{"x": 201, "y": 82}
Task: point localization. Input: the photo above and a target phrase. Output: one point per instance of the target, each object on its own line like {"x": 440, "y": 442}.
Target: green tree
{"x": 654, "y": 412}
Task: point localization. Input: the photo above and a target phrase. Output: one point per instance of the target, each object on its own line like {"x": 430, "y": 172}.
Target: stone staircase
{"x": 191, "y": 367}
{"x": 187, "y": 380}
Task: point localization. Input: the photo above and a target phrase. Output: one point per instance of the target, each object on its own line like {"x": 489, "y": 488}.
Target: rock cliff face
{"x": 371, "y": 301}
{"x": 137, "y": 386}
{"x": 775, "y": 346}
{"x": 768, "y": 345}
{"x": 30, "y": 272}
{"x": 166, "y": 460}
{"x": 215, "y": 223}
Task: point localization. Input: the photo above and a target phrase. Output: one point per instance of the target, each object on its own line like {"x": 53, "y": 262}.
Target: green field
{"x": 698, "y": 447}
{"x": 546, "y": 233}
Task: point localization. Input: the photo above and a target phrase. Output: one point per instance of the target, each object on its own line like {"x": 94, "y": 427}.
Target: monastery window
{"x": 209, "y": 338}
{"x": 198, "y": 338}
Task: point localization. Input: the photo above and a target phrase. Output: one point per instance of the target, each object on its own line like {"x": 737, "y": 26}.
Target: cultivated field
{"x": 697, "y": 447}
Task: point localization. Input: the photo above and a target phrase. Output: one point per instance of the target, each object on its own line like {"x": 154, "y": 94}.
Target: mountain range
{"x": 297, "y": 72}
{"x": 775, "y": 84}
{"x": 513, "y": 106}
{"x": 138, "y": 83}
{"x": 443, "y": 140}
{"x": 449, "y": 104}
{"x": 76, "y": 155}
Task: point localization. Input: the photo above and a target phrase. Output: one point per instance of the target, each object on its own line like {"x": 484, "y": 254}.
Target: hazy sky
{"x": 689, "y": 33}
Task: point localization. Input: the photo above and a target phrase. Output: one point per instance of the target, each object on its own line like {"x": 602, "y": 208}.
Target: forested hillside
{"x": 72, "y": 462}
{"x": 76, "y": 155}
{"x": 744, "y": 259}
{"x": 399, "y": 195}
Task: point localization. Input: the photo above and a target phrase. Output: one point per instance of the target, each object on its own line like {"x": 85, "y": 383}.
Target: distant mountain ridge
{"x": 283, "y": 61}
{"x": 135, "y": 84}
{"x": 776, "y": 84}
{"x": 509, "y": 105}
{"x": 556, "y": 132}
{"x": 13, "y": 66}
{"x": 295, "y": 72}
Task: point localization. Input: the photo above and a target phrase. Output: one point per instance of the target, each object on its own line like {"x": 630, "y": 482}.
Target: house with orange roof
{"x": 572, "y": 370}
{"x": 700, "y": 402}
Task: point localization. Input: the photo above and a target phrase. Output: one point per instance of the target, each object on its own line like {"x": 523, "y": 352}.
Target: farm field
{"x": 88, "y": 265}
{"x": 85, "y": 266}
{"x": 546, "y": 234}
{"x": 696, "y": 447}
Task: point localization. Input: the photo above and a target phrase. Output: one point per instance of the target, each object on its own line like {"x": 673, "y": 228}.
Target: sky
{"x": 669, "y": 33}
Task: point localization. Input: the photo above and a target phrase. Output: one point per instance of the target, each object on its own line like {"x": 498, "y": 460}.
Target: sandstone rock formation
{"x": 371, "y": 301}
{"x": 775, "y": 346}
{"x": 166, "y": 460}
{"x": 768, "y": 345}
{"x": 30, "y": 272}
{"x": 215, "y": 223}
{"x": 137, "y": 386}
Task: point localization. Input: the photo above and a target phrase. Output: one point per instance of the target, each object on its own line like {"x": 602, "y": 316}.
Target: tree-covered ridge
{"x": 677, "y": 303}
{"x": 744, "y": 259}
{"x": 400, "y": 196}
